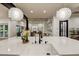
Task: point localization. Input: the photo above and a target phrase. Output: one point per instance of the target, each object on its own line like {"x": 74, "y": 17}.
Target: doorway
{"x": 63, "y": 28}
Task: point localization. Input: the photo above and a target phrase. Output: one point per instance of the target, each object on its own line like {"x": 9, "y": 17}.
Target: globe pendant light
{"x": 15, "y": 14}
{"x": 63, "y": 14}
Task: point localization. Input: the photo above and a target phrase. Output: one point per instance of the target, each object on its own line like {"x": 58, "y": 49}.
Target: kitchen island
{"x": 56, "y": 46}
{"x": 64, "y": 46}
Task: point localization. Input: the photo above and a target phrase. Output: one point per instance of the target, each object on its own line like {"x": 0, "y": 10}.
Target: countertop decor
{"x": 25, "y": 34}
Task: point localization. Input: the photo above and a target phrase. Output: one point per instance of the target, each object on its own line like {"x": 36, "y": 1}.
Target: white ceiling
{"x": 38, "y": 8}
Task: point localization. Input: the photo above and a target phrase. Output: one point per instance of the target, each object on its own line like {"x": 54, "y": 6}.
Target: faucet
{"x": 40, "y": 39}
{"x": 40, "y": 36}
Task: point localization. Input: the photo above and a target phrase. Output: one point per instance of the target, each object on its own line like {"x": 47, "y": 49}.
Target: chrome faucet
{"x": 40, "y": 36}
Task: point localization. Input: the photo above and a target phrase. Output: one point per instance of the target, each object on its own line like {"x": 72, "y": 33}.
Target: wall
{"x": 11, "y": 26}
{"x": 3, "y": 12}
{"x": 47, "y": 24}
{"x": 73, "y": 22}
{"x": 39, "y": 21}
{"x": 5, "y": 19}
{"x": 55, "y": 29}
{"x": 54, "y": 25}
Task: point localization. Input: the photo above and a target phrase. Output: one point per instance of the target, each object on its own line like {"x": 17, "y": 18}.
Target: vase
{"x": 25, "y": 36}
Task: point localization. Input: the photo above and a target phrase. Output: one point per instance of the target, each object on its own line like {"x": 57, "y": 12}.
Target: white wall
{"x": 11, "y": 26}
{"x": 73, "y": 22}
{"x": 5, "y": 19}
{"x": 38, "y": 21}
{"x": 3, "y": 12}
{"x": 47, "y": 24}
{"x": 55, "y": 26}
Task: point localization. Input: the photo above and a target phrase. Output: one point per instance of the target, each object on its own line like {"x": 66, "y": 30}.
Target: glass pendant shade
{"x": 63, "y": 14}
{"x": 15, "y": 14}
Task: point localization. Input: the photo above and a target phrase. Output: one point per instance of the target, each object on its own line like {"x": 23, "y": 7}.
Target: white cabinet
{"x": 3, "y": 30}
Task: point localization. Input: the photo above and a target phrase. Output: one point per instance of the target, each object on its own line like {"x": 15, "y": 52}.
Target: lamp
{"x": 63, "y": 13}
{"x": 15, "y": 14}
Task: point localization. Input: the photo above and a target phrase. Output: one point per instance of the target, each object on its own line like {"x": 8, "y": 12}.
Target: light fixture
{"x": 15, "y": 14}
{"x": 31, "y": 11}
{"x": 63, "y": 14}
{"x": 44, "y": 11}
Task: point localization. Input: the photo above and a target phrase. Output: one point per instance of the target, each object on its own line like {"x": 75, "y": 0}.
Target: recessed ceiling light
{"x": 31, "y": 11}
{"x": 44, "y": 11}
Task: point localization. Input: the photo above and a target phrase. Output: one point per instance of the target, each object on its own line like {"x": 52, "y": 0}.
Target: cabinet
{"x": 3, "y": 30}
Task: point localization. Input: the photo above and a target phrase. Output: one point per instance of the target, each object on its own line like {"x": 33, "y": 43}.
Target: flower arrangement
{"x": 25, "y": 36}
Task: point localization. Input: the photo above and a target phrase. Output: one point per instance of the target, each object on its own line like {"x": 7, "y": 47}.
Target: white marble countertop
{"x": 14, "y": 46}
{"x": 62, "y": 46}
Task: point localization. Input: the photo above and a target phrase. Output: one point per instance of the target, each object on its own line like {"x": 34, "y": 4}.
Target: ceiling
{"x": 38, "y": 9}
